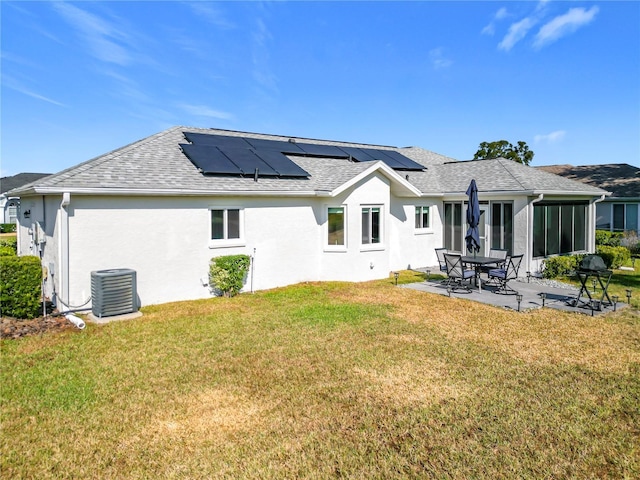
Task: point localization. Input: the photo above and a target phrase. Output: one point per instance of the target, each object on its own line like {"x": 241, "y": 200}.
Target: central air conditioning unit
{"x": 113, "y": 292}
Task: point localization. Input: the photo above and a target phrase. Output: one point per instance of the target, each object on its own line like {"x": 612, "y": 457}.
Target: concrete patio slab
{"x": 557, "y": 297}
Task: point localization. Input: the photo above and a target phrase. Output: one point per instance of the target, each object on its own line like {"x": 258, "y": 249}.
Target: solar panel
{"x": 281, "y": 164}
{"x": 209, "y": 159}
{"x": 247, "y": 160}
{"x": 322, "y": 150}
{"x": 216, "y": 140}
{"x": 358, "y": 154}
{"x": 380, "y": 155}
{"x": 277, "y": 145}
{"x": 407, "y": 162}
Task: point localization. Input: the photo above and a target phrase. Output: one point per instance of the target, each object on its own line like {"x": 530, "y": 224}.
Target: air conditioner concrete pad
{"x": 114, "y": 318}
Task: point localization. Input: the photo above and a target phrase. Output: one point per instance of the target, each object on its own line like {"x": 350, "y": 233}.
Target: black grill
{"x": 592, "y": 263}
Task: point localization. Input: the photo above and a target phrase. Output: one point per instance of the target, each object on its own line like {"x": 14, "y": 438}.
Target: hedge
{"x": 8, "y": 227}
{"x": 20, "y": 286}
{"x": 613, "y": 257}
{"x": 562, "y": 265}
{"x": 8, "y": 246}
{"x": 227, "y": 273}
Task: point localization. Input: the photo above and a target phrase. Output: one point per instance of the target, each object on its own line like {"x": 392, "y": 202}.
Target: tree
{"x": 504, "y": 149}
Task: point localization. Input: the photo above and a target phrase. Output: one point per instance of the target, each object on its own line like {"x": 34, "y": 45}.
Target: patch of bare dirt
{"x": 16, "y": 328}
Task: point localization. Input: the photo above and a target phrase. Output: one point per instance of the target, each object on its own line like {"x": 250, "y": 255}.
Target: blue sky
{"x": 80, "y": 79}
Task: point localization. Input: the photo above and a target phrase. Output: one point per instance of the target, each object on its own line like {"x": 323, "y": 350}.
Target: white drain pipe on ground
{"x": 77, "y": 321}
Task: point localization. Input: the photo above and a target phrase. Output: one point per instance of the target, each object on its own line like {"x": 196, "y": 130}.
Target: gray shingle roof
{"x": 156, "y": 164}
{"x": 502, "y": 175}
{"x": 621, "y": 179}
{"x": 19, "y": 180}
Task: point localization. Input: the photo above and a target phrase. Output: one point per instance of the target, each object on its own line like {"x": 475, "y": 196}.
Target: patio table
{"x": 477, "y": 262}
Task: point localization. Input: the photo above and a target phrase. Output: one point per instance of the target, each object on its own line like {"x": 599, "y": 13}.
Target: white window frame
{"x": 336, "y": 248}
{"x": 372, "y": 246}
{"x": 226, "y": 242}
{"x": 422, "y": 229}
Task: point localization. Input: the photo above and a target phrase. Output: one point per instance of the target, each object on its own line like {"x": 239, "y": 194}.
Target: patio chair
{"x": 440, "y": 254}
{"x": 457, "y": 274}
{"x": 504, "y": 275}
{"x": 500, "y": 255}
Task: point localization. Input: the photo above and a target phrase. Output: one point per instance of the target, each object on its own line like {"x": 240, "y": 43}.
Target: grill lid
{"x": 592, "y": 263}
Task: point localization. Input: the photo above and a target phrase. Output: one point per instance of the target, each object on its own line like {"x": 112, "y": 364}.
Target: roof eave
{"x": 168, "y": 192}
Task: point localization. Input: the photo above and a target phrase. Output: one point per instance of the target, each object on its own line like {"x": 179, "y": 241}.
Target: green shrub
{"x": 227, "y": 273}
{"x": 8, "y": 246}
{"x": 561, "y": 265}
{"x": 605, "y": 237}
{"x": 8, "y": 227}
{"x": 20, "y": 286}
{"x": 613, "y": 257}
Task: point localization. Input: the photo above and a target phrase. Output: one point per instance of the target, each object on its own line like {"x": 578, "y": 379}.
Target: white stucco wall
{"x": 166, "y": 240}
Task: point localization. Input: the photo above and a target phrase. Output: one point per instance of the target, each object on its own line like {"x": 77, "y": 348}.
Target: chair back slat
{"x": 513, "y": 265}
{"x": 454, "y": 265}
{"x": 440, "y": 254}
{"x": 498, "y": 253}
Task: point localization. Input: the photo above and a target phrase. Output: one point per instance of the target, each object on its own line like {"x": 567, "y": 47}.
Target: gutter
{"x": 172, "y": 192}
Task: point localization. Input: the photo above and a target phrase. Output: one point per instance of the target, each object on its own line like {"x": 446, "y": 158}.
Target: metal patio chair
{"x": 440, "y": 254}
{"x": 458, "y": 276}
{"x": 504, "y": 275}
{"x": 500, "y": 254}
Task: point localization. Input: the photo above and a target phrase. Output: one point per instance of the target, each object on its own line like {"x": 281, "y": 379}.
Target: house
{"x": 10, "y": 205}
{"x": 304, "y": 210}
{"x": 619, "y": 212}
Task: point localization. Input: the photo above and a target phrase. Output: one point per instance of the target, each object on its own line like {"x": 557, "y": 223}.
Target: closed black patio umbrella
{"x": 473, "y": 219}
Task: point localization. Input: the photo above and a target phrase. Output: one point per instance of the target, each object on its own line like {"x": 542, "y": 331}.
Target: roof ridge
{"x": 501, "y": 159}
{"x": 292, "y": 137}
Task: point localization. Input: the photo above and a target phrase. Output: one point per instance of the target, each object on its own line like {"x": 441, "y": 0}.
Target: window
{"x": 336, "y": 226}
{"x": 453, "y": 226}
{"x": 370, "y": 225}
{"x": 625, "y": 217}
{"x": 226, "y": 224}
{"x": 422, "y": 217}
{"x": 502, "y": 226}
{"x": 559, "y": 228}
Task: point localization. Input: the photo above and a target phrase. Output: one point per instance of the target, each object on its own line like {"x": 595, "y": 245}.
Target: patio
{"x": 557, "y": 296}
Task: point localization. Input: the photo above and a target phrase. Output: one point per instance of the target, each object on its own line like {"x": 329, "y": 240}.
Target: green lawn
{"x": 326, "y": 380}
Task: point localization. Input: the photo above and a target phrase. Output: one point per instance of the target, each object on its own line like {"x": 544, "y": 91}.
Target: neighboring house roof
{"x": 621, "y": 179}
{"x": 157, "y": 165}
{"x": 19, "y": 180}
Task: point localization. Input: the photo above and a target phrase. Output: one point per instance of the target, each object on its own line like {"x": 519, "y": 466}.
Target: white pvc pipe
{"x": 77, "y": 321}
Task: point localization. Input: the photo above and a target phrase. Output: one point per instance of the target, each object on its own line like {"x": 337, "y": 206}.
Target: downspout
{"x": 63, "y": 273}
{"x": 530, "y": 230}
{"x": 592, "y": 221}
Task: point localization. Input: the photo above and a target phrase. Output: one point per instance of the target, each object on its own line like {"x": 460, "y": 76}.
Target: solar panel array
{"x": 226, "y": 155}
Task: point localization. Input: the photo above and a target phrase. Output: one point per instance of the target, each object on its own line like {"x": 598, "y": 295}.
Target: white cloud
{"x": 18, "y": 87}
{"x": 205, "y": 111}
{"x": 211, "y": 14}
{"x": 564, "y": 25}
{"x": 438, "y": 59}
{"x": 517, "y": 31}
{"x": 491, "y": 27}
{"x": 552, "y": 137}
{"x": 502, "y": 13}
{"x": 104, "y": 39}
